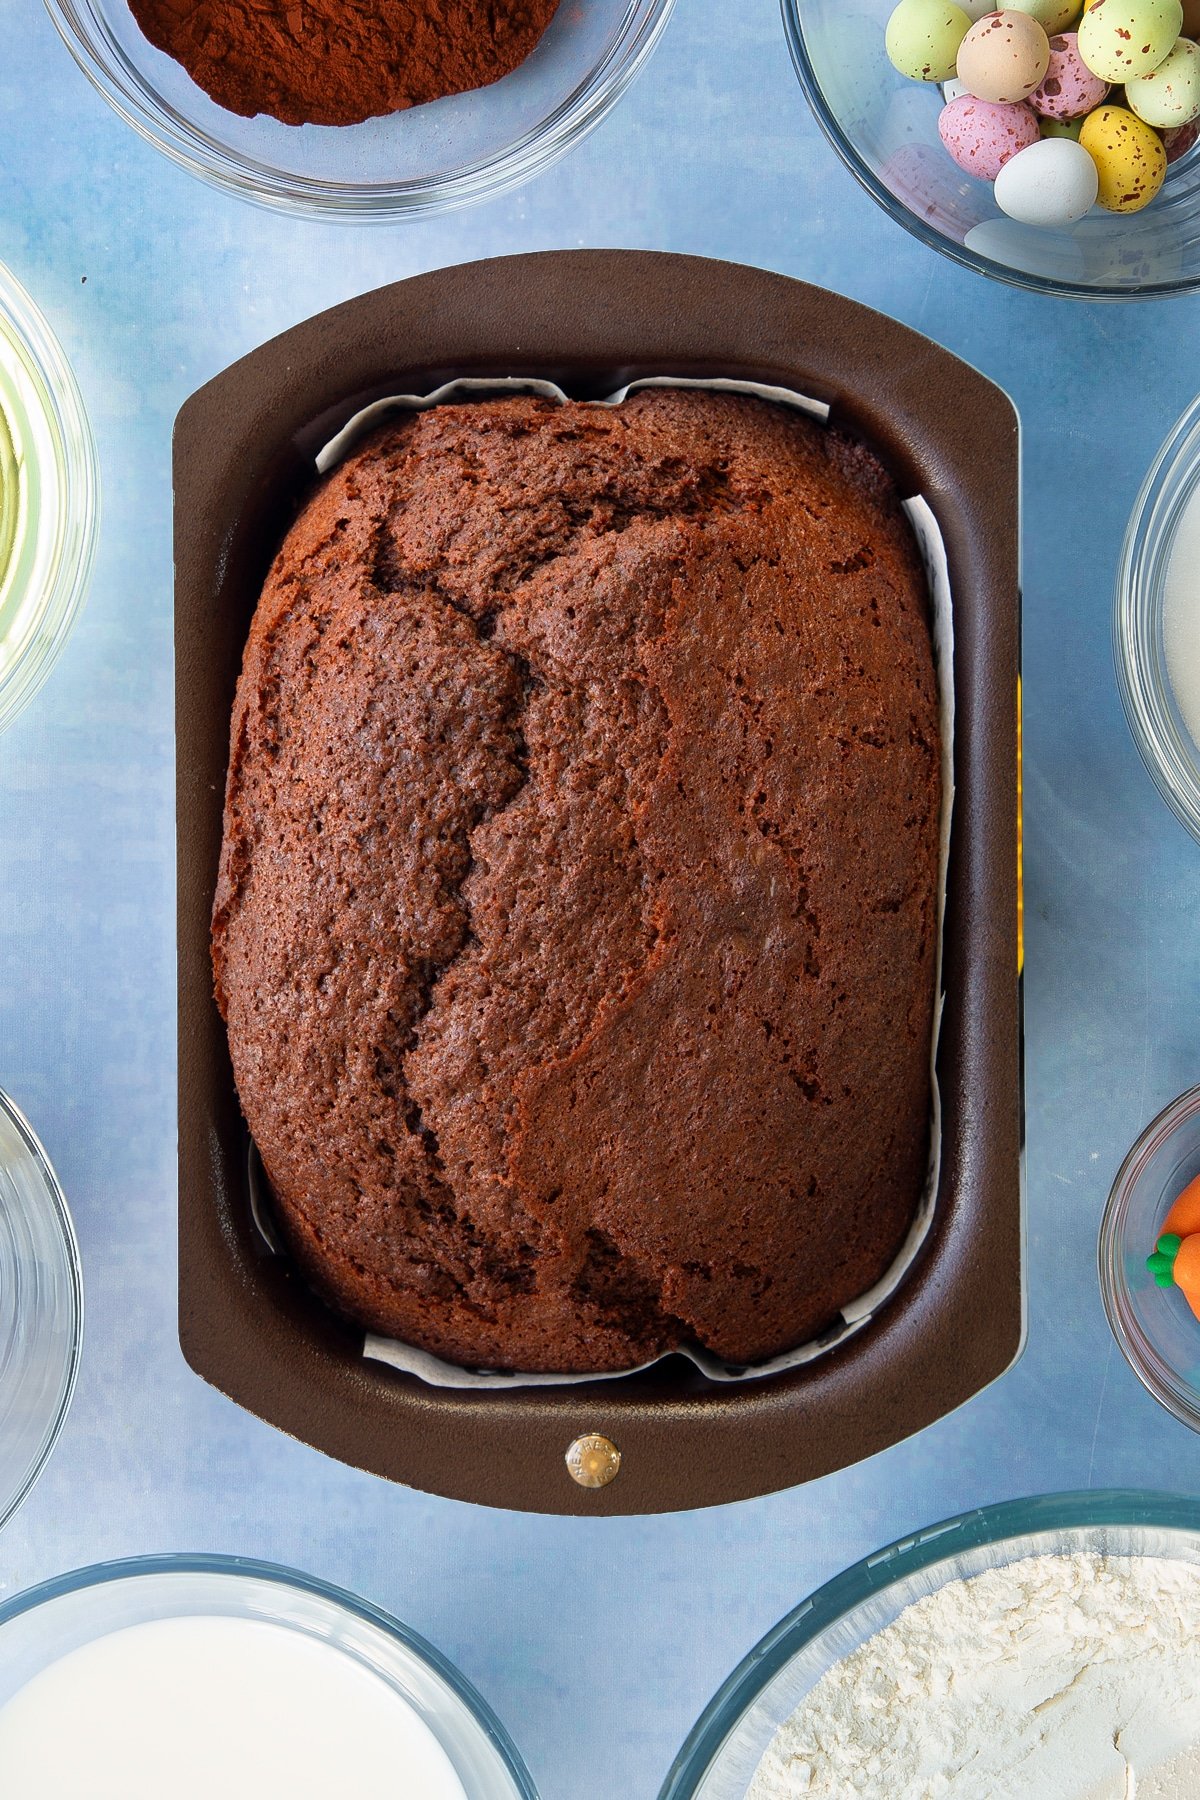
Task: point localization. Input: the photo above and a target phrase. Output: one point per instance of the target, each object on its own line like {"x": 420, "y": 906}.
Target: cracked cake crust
{"x": 576, "y": 922}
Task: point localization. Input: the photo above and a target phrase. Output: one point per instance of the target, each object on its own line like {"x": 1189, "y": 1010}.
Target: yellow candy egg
{"x": 1120, "y": 38}
{"x": 1129, "y": 157}
{"x": 1004, "y": 57}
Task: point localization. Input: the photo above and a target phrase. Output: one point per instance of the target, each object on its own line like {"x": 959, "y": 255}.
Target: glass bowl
{"x": 39, "y": 1627}
{"x": 1155, "y": 1327}
{"x": 49, "y": 499}
{"x": 427, "y": 159}
{"x": 884, "y": 128}
{"x": 725, "y": 1747}
{"x": 41, "y": 1308}
{"x": 1159, "y": 729}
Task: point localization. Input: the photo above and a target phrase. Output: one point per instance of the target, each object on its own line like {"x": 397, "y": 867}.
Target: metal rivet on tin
{"x": 593, "y": 1461}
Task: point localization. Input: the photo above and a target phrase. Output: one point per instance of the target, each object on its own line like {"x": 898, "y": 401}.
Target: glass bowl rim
{"x": 237, "y": 1569}
{"x": 1137, "y": 604}
{"x": 926, "y": 234}
{"x": 78, "y": 523}
{"x": 138, "y": 102}
{"x": 1151, "y": 1370}
{"x": 61, "y": 1214}
{"x": 1070, "y": 1510}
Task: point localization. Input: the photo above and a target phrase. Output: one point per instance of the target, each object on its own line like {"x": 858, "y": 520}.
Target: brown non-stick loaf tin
{"x": 244, "y": 461}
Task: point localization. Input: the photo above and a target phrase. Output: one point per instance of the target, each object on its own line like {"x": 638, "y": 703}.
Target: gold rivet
{"x": 593, "y": 1461}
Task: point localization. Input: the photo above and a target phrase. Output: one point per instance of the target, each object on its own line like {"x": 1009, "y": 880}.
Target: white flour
{"x": 1057, "y": 1678}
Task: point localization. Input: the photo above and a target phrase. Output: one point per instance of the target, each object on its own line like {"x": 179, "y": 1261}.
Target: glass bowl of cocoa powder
{"x": 320, "y": 108}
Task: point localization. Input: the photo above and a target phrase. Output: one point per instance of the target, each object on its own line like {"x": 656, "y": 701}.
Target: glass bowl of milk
{"x": 41, "y": 1308}
{"x": 181, "y": 1678}
{"x": 1013, "y": 1693}
{"x": 1156, "y": 624}
{"x": 49, "y": 499}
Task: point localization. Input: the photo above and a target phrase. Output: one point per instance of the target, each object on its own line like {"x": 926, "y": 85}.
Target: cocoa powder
{"x": 337, "y": 62}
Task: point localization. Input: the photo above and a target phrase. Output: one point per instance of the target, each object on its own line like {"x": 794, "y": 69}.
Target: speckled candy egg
{"x": 1054, "y": 182}
{"x": 1068, "y": 89}
{"x": 923, "y": 37}
{"x": 1051, "y": 15}
{"x": 1061, "y": 128}
{"x": 1169, "y": 95}
{"x": 981, "y": 136}
{"x": 1178, "y": 143}
{"x": 1120, "y": 38}
{"x": 1129, "y": 157}
{"x": 1004, "y": 56}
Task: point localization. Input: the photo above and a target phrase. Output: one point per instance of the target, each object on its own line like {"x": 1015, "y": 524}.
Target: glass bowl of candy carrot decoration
{"x": 1150, "y": 1258}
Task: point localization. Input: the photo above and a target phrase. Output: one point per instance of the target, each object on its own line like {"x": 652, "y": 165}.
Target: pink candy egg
{"x": 1068, "y": 89}
{"x": 981, "y": 135}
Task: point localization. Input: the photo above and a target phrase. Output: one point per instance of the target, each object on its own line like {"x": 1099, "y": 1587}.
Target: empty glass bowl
{"x": 427, "y": 159}
{"x": 48, "y": 1623}
{"x": 1154, "y": 1326}
{"x": 720, "y": 1757}
{"x": 49, "y": 505}
{"x": 1139, "y": 637}
{"x": 41, "y": 1308}
{"x": 884, "y": 128}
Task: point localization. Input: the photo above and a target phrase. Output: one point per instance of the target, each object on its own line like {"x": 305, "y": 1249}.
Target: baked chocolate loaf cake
{"x": 576, "y": 921}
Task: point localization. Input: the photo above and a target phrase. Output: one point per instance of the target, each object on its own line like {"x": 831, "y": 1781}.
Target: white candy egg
{"x": 1053, "y": 182}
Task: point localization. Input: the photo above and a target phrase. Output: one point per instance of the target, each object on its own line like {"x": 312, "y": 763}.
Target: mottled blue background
{"x": 598, "y": 1642}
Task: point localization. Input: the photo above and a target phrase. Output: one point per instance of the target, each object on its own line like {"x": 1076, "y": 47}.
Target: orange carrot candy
{"x": 1184, "y": 1217}
{"x": 1176, "y": 1263}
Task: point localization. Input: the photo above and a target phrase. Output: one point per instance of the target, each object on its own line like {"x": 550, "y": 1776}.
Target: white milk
{"x": 1181, "y": 616}
{"x": 192, "y": 1708}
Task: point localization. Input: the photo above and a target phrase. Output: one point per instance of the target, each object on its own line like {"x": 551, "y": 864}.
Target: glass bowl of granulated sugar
{"x": 363, "y": 111}
{"x": 1040, "y": 1647}
{"x": 1156, "y": 620}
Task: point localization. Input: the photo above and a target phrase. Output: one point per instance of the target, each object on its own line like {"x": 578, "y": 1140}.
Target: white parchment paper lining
{"x": 432, "y": 1369}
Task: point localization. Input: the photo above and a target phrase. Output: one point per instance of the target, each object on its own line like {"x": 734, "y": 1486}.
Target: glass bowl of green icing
{"x": 49, "y": 499}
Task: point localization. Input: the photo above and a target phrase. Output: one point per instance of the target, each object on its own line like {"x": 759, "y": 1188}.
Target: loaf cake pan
{"x": 244, "y": 461}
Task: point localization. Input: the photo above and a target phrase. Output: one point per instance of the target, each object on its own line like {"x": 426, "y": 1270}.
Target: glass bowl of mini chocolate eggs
{"x": 931, "y": 102}
{"x": 297, "y": 117}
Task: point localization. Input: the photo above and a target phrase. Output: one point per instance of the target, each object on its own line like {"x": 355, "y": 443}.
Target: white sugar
{"x": 1181, "y": 617}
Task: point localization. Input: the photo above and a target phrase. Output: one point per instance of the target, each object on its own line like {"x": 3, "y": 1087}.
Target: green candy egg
{"x": 1170, "y": 95}
{"x": 923, "y": 38}
{"x": 1052, "y": 15}
{"x": 1064, "y": 128}
{"x": 1121, "y": 39}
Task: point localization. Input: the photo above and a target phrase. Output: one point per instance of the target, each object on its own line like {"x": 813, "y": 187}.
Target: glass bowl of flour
{"x": 1042, "y": 1647}
{"x": 1156, "y": 621}
{"x": 188, "y": 1677}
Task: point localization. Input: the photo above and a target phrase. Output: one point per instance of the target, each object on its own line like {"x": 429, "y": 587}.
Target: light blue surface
{"x": 596, "y": 1642}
